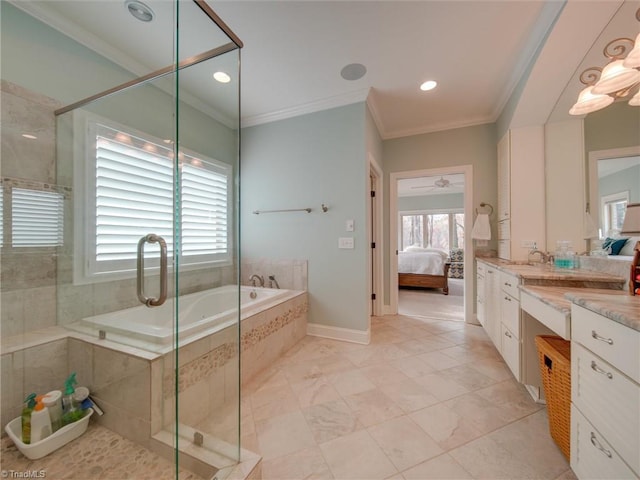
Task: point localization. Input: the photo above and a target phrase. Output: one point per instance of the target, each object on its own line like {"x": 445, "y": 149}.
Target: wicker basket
{"x": 554, "y": 354}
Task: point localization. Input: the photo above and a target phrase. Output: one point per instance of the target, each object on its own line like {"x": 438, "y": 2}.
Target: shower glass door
{"x": 120, "y": 224}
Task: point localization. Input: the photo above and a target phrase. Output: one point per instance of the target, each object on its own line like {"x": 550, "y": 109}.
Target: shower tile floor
{"x": 427, "y": 399}
{"x": 98, "y": 454}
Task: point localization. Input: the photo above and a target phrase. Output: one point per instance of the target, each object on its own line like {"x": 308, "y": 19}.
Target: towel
{"x": 481, "y": 229}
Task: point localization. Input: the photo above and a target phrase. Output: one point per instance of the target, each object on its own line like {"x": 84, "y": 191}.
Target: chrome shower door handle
{"x": 151, "y": 301}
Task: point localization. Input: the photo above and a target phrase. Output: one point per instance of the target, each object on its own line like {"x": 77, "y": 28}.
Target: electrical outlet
{"x": 531, "y": 244}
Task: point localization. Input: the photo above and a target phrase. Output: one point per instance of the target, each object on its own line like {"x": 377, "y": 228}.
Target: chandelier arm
{"x": 618, "y": 48}
{"x": 591, "y": 75}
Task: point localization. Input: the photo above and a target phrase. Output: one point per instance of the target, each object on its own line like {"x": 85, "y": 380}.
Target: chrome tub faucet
{"x": 255, "y": 277}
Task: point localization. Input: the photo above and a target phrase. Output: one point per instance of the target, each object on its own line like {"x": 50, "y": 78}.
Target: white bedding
{"x": 430, "y": 263}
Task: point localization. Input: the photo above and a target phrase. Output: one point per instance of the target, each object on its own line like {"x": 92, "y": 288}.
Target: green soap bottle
{"x": 29, "y": 405}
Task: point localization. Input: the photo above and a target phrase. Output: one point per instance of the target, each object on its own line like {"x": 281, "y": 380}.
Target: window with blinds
{"x": 134, "y": 196}
{"x": 36, "y": 218}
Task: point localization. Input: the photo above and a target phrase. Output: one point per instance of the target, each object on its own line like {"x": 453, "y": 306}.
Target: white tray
{"x": 47, "y": 445}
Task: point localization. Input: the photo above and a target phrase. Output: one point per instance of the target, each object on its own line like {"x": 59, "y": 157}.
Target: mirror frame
{"x": 594, "y": 157}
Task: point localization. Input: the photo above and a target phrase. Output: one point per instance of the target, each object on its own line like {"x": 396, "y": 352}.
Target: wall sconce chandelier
{"x": 620, "y": 78}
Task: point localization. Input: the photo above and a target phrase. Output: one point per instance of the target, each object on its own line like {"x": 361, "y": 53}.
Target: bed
{"x": 423, "y": 267}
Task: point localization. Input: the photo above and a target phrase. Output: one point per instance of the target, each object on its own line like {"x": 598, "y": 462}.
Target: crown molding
{"x": 305, "y": 108}
{"x": 437, "y": 128}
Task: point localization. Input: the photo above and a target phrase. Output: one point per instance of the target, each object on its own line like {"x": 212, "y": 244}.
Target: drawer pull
{"x": 507, "y": 284}
{"x": 507, "y": 298}
{"x": 596, "y": 443}
{"x": 596, "y": 368}
{"x": 507, "y": 334}
{"x": 602, "y": 339}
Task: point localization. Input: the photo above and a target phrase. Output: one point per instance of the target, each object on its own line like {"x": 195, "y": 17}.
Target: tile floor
{"x": 427, "y": 399}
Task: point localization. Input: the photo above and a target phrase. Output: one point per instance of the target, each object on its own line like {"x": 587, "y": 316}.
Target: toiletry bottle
{"x": 70, "y": 410}
{"x": 53, "y": 401}
{"x": 40, "y": 421}
{"x": 29, "y": 404}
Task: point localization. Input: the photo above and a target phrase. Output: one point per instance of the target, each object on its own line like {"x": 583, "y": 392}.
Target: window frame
{"x": 605, "y": 201}
{"x": 84, "y": 209}
{"x": 441, "y": 211}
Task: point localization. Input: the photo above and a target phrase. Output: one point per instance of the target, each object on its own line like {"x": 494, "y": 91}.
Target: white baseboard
{"x": 338, "y": 333}
{"x": 387, "y": 310}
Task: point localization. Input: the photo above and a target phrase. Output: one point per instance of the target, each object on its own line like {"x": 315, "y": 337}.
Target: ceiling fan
{"x": 441, "y": 183}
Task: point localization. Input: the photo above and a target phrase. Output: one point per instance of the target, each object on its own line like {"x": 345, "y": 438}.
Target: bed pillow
{"x": 627, "y": 249}
{"x": 613, "y": 245}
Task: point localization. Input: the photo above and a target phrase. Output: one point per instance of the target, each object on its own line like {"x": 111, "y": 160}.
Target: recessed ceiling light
{"x": 139, "y": 10}
{"x": 29, "y": 136}
{"x": 222, "y": 77}
{"x": 428, "y": 85}
{"x": 353, "y": 71}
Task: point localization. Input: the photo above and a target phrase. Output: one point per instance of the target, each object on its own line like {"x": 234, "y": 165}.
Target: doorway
{"x": 430, "y": 212}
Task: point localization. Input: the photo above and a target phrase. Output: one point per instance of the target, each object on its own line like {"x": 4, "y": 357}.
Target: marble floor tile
{"x": 404, "y": 442}
{"x": 307, "y": 464}
{"x": 439, "y": 403}
{"x": 331, "y": 420}
{"x": 357, "y": 456}
{"x": 314, "y": 391}
{"x": 440, "y": 386}
{"x": 443, "y": 467}
{"x": 373, "y": 406}
{"x": 383, "y": 374}
{"x": 350, "y": 382}
{"x": 409, "y": 395}
{"x": 283, "y": 435}
{"x": 445, "y": 426}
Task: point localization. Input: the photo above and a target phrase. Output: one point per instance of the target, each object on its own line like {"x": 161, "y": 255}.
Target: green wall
{"x": 304, "y": 162}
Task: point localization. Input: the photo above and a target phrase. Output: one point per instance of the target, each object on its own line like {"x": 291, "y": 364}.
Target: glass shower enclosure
{"x": 120, "y": 190}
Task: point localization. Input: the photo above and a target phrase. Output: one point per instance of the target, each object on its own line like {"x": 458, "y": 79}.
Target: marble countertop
{"x": 549, "y": 273}
{"x": 617, "y": 305}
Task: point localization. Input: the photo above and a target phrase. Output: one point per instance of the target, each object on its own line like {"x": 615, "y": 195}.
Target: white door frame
{"x": 467, "y": 170}
{"x": 375, "y": 261}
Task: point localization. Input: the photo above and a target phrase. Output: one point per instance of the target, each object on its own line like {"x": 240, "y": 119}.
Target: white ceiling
{"x": 293, "y": 52}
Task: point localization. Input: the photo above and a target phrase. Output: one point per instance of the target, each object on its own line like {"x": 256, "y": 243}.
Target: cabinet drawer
{"x": 591, "y": 454}
{"x": 617, "y": 344}
{"x": 510, "y": 313}
{"x": 510, "y": 349}
{"x": 509, "y": 285}
{"x": 609, "y": 399}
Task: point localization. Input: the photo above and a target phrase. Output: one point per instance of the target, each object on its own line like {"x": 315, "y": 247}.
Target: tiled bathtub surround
{"x": 290, "y": 274}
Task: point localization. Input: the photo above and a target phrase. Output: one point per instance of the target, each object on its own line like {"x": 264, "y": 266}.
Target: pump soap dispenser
{"x": 70, "y": 410}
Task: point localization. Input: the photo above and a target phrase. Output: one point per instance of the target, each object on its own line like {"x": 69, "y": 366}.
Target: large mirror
{"x": 604, "y": 147}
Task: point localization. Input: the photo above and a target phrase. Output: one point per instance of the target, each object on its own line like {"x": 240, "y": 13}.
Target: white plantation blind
{"x": 204, "y": 211}
{"x": 36, "y": 218}
{"x": 134, "y": 196}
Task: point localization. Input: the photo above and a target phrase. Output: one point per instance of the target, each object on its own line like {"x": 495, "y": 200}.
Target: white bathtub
{"x": 205, "y": 311}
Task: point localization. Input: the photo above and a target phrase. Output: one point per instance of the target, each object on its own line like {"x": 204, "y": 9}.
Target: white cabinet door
{"x": 510, "y": 349}
{"x": 492, "y": 305}
{"x": 504, "y": 192}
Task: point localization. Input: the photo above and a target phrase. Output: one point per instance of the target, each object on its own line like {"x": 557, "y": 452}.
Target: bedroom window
{"x": 435, "y": 230}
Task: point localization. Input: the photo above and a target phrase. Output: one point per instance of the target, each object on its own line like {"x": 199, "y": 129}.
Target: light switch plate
{"x": 345, "y": 242}
{"x": 349, "y": 225}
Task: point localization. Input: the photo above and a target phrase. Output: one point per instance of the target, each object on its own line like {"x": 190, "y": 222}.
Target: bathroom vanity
{"x": 603, "y": 323}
